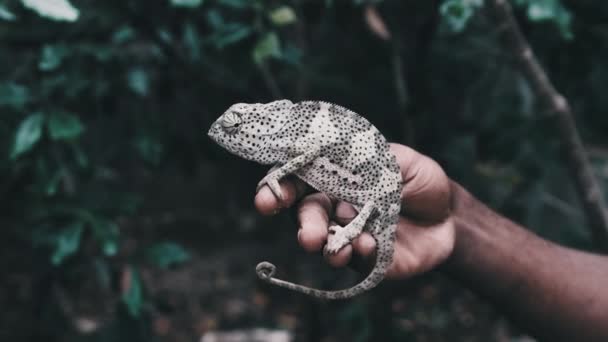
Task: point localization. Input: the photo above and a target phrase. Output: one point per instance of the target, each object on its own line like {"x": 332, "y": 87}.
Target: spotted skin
{"x": 335, "y": 151}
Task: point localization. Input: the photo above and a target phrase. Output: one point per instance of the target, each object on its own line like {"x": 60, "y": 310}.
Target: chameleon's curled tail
{"x": 384, "y": 253}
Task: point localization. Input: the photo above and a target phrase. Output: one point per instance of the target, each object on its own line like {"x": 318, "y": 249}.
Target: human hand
{"x": 425, "y": 232}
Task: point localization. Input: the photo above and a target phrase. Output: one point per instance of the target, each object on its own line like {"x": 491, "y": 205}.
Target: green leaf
{"x": 51, "y": 57}
{"x": 102, "y": 53}
{"x": 149, "y": 149}
{"x": 538, "y": 11}
{"x": 13, "y": 95}
{"x": 225, "y": 33}
{"x": 133, "y": 297}
{"x": 67, "y": 242}
{"x": 107, "y": 233}
{"x": 186, "y": 3}
{"x": 192, "y": 41}
{"x": 138, "y": 81}
{"x": 214, "y": 19}
{"x": 551, "y": 11}
{"x": 65, "y": 126}
{"x": 123, "y": 35}
{"x": 53, "y": 183}
{"x": 267, "y": 47}
{"x": 5, "y": 14}
{"x": 166, "y": 254}
{"x": 237, "y": 4}
{"x": 61, "y": 10}
{"x": 292, "y": 54}
{"x": 28, "y": 134}
{"x": 283, "y": 15}
{"x": 230, "y": 33}
{"x": 457, "y": 13}
{"x": 103, "y": 272}
{"x": 165, "y": 35}
{"x": 79, "y": 155}
{"x": 110, "y": 245}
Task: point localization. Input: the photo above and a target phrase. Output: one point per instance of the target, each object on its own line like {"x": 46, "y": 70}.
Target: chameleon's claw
{"x": 335, "y": 240}
{"x": 274, "y": 186}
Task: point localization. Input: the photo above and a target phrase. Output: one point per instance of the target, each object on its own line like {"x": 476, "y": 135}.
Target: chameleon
{"x": 334, "y": 150}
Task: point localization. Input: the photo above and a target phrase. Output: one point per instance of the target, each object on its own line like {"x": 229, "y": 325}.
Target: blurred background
{"x": 122, "y": 221}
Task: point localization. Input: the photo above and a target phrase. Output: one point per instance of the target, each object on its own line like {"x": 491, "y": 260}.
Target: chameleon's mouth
{"x": 217, "y": 134}
{"x": 213, "y": 131}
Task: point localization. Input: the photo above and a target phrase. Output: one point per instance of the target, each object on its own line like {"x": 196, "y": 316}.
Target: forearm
{"x": 554, "y": 292}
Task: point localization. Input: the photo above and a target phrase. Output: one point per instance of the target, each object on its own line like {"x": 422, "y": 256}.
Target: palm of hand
{"x": 425, "y": 233}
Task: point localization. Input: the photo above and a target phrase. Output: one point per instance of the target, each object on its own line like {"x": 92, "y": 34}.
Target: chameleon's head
{"x": 246, "y": 128}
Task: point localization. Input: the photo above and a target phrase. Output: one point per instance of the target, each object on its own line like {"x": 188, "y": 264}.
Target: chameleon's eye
{"x": 231, "y": 122}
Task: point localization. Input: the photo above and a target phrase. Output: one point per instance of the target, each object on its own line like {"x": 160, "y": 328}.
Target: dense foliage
{"x": 105, "y": 105}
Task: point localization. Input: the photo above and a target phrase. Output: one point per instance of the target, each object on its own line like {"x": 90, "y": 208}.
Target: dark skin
{"x": 555, "y": 293}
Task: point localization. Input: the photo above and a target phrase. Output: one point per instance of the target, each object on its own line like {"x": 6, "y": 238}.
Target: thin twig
{"x": 378, "y": 27}
{"x": 576, "y": 157}
{"x": 401, "y": 90}
{"x": 270, "y": 81}
{"x": 301, "y": 84}
{"x": 399, "y": 78}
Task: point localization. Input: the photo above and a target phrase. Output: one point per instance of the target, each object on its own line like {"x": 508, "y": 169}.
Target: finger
{"x": 359, "y": 253}
{"x": 268, "y": 204}
{"x": 340, "y": 259}
{"x": 365, "y": 245}
{"x": 344, "y": 213}
{"x": 426, "y": 193}
{"x": 313, "y": 215}
{"x": 364, "y": 253}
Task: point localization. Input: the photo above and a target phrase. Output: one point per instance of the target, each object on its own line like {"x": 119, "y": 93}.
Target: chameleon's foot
{"x": 273, "y": 184}
{"x": 335, "y": 240}
{"x": 265, "y": 270}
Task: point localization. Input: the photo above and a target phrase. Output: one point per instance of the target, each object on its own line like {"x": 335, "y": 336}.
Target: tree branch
{"x": 578, "y": 163}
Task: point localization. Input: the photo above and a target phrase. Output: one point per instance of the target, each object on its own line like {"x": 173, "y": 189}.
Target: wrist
{"x": 479, "y": 232}
{"x": 485, "y": 242}
{"x": 459, "y": 200}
